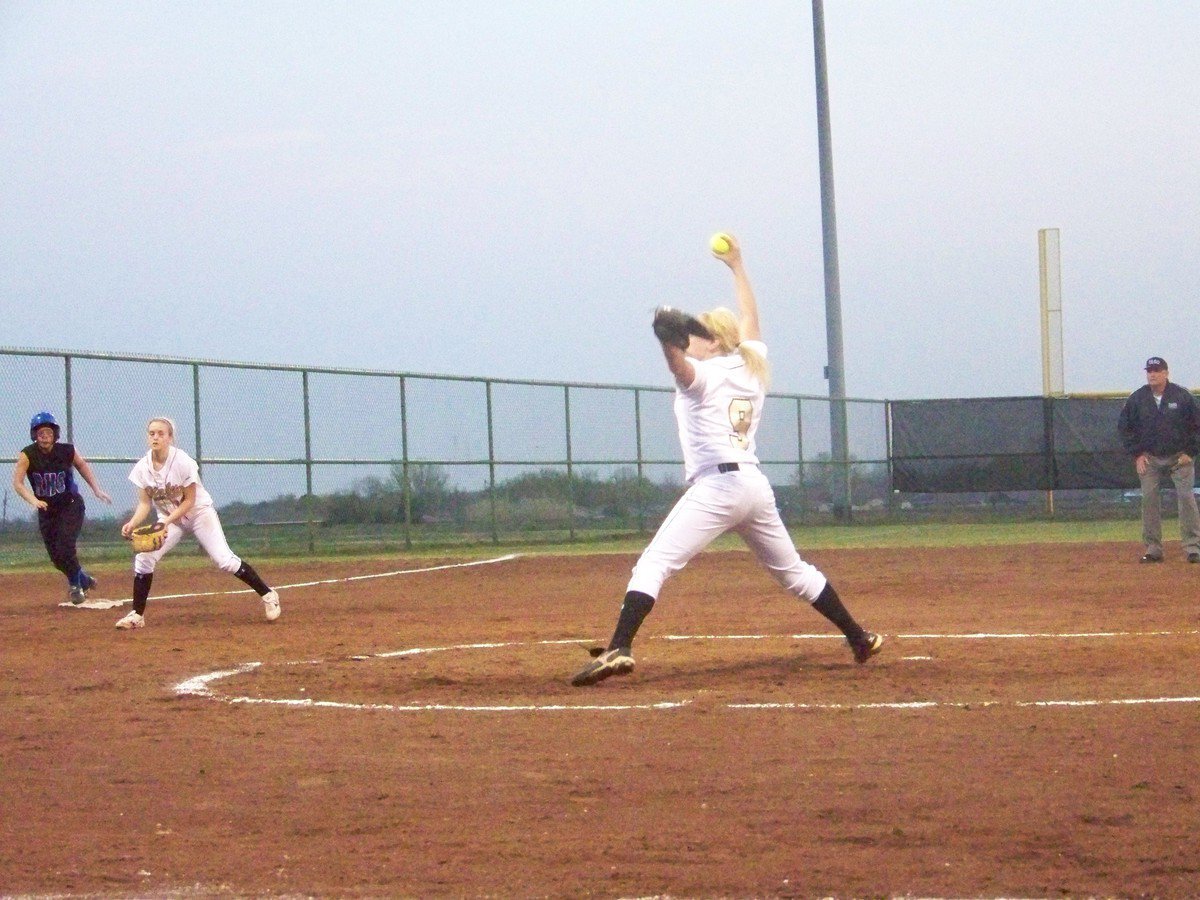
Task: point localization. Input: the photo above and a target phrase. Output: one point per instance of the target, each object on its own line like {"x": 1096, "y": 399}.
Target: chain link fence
{"x": 320, "y": 458}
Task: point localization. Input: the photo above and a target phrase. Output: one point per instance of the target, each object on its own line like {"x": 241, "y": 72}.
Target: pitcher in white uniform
{"x": 168, "y": 480}
{"x": 721, "y": 382}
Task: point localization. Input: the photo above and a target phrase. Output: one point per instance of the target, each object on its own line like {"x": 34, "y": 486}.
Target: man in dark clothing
{"x": 1160, "y": 429}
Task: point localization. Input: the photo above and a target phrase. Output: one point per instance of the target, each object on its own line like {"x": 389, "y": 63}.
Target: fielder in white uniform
{"x": 720, "y": 387}
{"x": 168, "y": 480}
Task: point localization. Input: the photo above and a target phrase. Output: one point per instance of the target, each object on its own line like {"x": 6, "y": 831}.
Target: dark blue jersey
{"x": 52, "y": 475}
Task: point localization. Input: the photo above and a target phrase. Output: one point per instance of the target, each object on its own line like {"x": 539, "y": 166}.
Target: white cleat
{"x": 131, "y": 620}
{"x": 271, "y": 606}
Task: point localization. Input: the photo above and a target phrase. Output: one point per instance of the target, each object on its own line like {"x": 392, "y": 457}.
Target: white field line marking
{"x": 109, "y": 604}
{"x": 985, "y": 635}
{"x": 970, "y": 636}
{"x": 969, "y": 704}
{"x": 446, "y": 707}
{"x": 200, "y": 685}
{"x": 763, "y": 637}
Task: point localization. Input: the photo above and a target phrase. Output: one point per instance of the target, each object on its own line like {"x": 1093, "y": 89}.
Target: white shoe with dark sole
{"x": 131, "y": 620}
{"x": 271, "y": 607}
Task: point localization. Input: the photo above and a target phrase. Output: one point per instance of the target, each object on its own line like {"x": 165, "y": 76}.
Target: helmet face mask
{"x": 42, "y": 420}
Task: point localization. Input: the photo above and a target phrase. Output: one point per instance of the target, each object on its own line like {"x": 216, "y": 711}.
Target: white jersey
{"x": 719, "y": 412}
{"x": 165, "y": 485}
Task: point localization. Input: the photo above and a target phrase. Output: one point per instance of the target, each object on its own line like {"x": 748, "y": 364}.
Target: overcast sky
{"x": 508, "y": 188}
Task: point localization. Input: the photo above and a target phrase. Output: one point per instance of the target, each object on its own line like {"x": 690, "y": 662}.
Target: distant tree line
{"x": 548, "y": 497}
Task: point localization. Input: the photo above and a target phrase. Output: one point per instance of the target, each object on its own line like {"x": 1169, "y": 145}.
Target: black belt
{"x": 727, "y": 467}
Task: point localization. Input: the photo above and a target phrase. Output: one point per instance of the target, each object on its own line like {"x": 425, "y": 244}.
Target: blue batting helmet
{"x": 41, "y": 420}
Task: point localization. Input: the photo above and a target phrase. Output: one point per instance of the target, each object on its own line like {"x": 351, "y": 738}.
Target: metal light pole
{"x": 835, "y": 370}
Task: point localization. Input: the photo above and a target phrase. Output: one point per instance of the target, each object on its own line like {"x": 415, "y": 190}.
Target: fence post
{"x": 404, "y": 465}
{"x": 641, "y": 483}
{"x": 70, "y": 405}
{"x": 491, "y": 464}
{"x": 802, "y": 489}
{"x": 570, "y": 467}
{"x": 308, "y": 465}
{"x": 196, "y": 413}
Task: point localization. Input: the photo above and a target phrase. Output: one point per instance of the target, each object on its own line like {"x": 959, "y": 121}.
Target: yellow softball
{"x": 719, "y": 243}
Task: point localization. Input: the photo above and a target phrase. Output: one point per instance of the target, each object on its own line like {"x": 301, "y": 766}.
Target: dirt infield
{"x": 999, "y": 746}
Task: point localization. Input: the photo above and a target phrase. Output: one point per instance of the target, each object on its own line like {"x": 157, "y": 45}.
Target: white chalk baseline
{"x": 202, "y": 685}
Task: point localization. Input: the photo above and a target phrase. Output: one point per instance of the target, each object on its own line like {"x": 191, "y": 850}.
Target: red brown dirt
{"x": 114, "y": 784}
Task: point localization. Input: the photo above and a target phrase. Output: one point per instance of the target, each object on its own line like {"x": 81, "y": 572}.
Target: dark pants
{"x": 60, "y": 525}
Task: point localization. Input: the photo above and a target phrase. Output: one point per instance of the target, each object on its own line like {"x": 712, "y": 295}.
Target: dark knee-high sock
{"x": 247, "y": 574}
{"x": 141, "y": 592}
{"x": 829, "y": 604}
{"x": 634, "y": 610}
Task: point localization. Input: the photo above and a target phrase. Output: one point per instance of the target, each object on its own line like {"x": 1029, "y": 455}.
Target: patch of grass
{"x": 949, "y": 534}
{"x": 25, "y": 555}
{"x": 926, "y": 534}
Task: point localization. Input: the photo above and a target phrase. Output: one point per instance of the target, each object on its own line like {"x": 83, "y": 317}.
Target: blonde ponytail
{"x": 757, "y": 364}
{"x": 723, "y": 325}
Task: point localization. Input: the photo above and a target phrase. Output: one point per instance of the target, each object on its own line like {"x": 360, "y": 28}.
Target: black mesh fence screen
{"x": 1087, "y": 450}
{"x": 1008, "y": 444}
{"x": 970, "y": 445}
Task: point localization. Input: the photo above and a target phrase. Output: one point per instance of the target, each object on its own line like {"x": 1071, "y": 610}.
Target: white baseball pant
{"x": 205, "y": 526}
{"x": 741, "y": 501}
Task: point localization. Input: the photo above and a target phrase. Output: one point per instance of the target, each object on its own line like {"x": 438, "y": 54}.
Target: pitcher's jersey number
{"x": 741, "y": 413}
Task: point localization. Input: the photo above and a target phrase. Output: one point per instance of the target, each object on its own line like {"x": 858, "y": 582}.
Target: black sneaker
{"x": 1194, "y": 557}
{"x": 1150, "y": 558}
{"x": 607, "y": 664}
{"x": 866, "y": 646}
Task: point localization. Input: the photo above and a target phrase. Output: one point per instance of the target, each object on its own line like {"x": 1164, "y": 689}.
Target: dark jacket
{"x": 1160, "y": 430}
